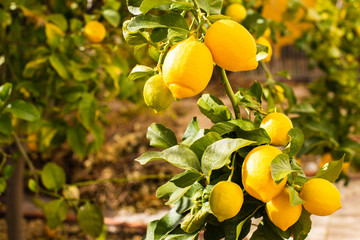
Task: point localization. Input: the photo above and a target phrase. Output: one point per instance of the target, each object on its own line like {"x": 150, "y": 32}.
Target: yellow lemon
{"x": 256, "y": 173}
{"x": 32, "y": 141}
{"x": 156, "y": 94}
{"x": 187, "y": 68}
{"x": 277, "y": 126}
{"x": 94, "y": 31}
{"x": 280, "y": 211}
{"x": 226, "y": 200}
{"x": 274, "y": 9}
{"x": 321, "y": 197}
{"x": 232, "y": 46}
{"x": 236, "y": 11}
{"x": 265, "y": 42}
{"x": 358, "y": 30}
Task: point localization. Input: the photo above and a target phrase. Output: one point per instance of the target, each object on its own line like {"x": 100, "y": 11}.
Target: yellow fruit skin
{"x": 280, "y": 211}
{"x": 232, "y": 46}
{"x": 256, "y": 173}
{"x": 265, "y": 42}
{"x": 94, "y": 31}
{"x": 274, "y": 9}
{"x": 277, "y": 126}
{"x": 321, "y": 197}
{"x": 236, "y": 11}
{"x": 187, "y": 68}
{"x": 226, "y": 200}
{"x": 156, "y": 94}
{"x": 358, "y": 30}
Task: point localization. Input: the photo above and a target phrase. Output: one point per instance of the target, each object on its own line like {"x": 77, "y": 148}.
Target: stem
{"x": 232, "y": 168}
{"x": 24, "y": 154}
{"x": 229, "y": 92}
{"x": 162, "y": 56}
{"x": 269, "y": 76}
{"x": 122, "y": 180}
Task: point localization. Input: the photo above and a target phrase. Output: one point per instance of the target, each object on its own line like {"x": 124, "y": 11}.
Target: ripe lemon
{"x": 226, "y": 200}
{"x": 325, "y": 158}
{"x": 187, "y": 68}
{"x": 156, "y": 94}
{"x": 32, "y": 141}
{"x": 280, "y": 211}
{"x": 232, "y": 46}
{"x": 265, "y": 42}
{"x": 321, "y": 197}
{"x": 256, "y": 173}
{"x": 236, "y": 11}
{"x": 94, "y": 31}
{"x": 357, "y": 29}
{"x": 277, "y": 126}
{"x": 274, "y": 9}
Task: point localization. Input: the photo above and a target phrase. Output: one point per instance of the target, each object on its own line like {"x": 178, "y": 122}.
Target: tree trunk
{"x": 14, "y": 203}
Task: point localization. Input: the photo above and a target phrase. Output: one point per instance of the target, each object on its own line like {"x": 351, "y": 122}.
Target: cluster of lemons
{"x": 321, "y": 196}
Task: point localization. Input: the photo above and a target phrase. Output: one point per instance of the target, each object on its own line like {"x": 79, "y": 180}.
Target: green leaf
{"x": 90, "y": 219}
{"x": 58, "y": 62}
{"x": 302, "y": 108}
{"x": 331, "y": 170}
{"x": 280, "y": 167}
{"x": 112, "y": 16}
{"x": 166, "y": 224}
{"x": 23, "y": 110}
{"x": 185, "y": 179}
{"x": 177, "y": 195}
{"x": 177, "y": 156}
{"x": 53, "y": 176}
{"x": 195, "y": 220}
{"x": 165, "y": 190}
{"x": 171, "y": 20}
{"x": 59, "y": 20}
{"x": 133, "y": 6}
{"x": 217, "y": 154}
{"x": 55, "y": 212}
{"x": 296, "y": 142}
{"x": 2, "y": 185}
{"x": 294, "y": 197}
{"x": 5, "y": 18}
{"x": 5, "y": 91}
{"x": 199, "y": 145}
{"x": 289, "y": 94}
{"x": 284, "y": 73}
{"x": 76, "y": 137}
{"x": 140, "y": 72}
{"x": 256, "y": 91}
{"x": 32, "y": 185}
{"x": 303, "y": 226}
{"x": 99, "y": 136}
{"x": 211, "y": 6}
{"x": 265, "y": 232}
{"x": 226, "y": 127}
{"x": 258, "y": 135}
{"x": 5, "y": 124}
{"x": 158, "y": 34}
{"x": 87, "y": 110}
{"x": 183, "y": 236}
{"x": 132, "y": 38}
{"x": 262, "y": 52}
{"x": 214, "y": 108}
{"x": 192, "y": 128}
{"x": 217, "y": 17}
{"x": 32, "y": 66}
{"x": 147, "y": 5}
{"x": 161, "y": 136}
{"x": 53, "y": 34}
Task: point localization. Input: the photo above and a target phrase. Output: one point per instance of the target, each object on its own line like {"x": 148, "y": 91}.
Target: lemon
{"x": 321, "y": 197}
{"x": 94, "y": 31}
{"x": 232, "y": 46}
{"x": 274, "y": 9}
{"x": 156, "y": 94}
{"x": 236, "y": 11}
{"x": 265, "y": 42}
{"x": 357, "y": 29}
{"x": 280, "y": 211}
{"x": 187, "y": 68}
{"x": 256, "y": 173}
{"x": 32, "y": 141}
{"x": 277, "y": 126}
{"x": 226, "y": 200}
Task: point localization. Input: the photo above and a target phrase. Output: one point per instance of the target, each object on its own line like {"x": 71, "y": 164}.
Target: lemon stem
{"x": 232, "y": 168}
{"x": 162, "y": 56}
{"x": 230, "y": 92}
{"x": 269, "y": 76}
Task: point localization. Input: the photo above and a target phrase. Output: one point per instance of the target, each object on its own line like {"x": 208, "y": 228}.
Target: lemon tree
{"x": 232, "y": 172}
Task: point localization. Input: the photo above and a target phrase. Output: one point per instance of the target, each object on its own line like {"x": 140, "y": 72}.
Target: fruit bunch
{"x": 243, "y": 167}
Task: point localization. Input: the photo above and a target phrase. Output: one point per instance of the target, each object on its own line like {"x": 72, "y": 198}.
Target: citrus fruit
{"x": 321, "y": 197}
{"x": 326, "y": 157}
{"x": 32, "y": 141}
{"x": 236, "y": 11}
{"x": 265, "y": 42}
{"x": 277, "y": 126}
{"x": 187, "y": 68}
{"x": 156, "y": 94}
{"x": 226, "y": 199}
{"x": 94, "y": 31}
{"x": 274, "y": 9}
{"x": 232, "y": 46}
{"x": 357, "y": 29}
{"x": 256, "y": 173}
{"x": 280, "y": 211}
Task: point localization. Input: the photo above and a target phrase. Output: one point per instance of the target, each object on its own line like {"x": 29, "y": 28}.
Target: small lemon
{"x": 236, "y": 11}
{"x": 187, "y": 68}
{"x": 226, "y": 200}
{"x": 256, "y": 173}
{"x": 232, "y": 46}
{"x": 265, "y": 42}
{"x": 277, "y": 126}
{"x": 280, "y": 211}
{"x": 321, "y": 197}
{"x": 156, "y": 94}
{"x": 94, "y": 31}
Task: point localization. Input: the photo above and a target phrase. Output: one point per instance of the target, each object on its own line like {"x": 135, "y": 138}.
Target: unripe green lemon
{"x": 226, "y": 200}
{"x": 156, "y": 94}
